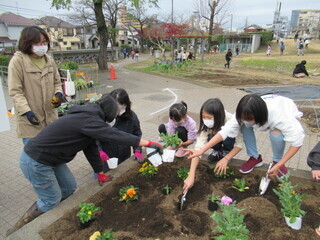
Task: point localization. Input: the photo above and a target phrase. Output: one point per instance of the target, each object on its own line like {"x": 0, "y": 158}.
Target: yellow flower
{"x": 156, "y": 169}
{"x": 141, "y": 169}
{"x": 150, "y": 172}
{"x": 124, "y": 196}
{"x": 131, "y": 192}
{"x": 293, "y": 192}
{"x": 89, "y": 213}
{"x": 143, "y": 165}
{"x": 95, "y": 235}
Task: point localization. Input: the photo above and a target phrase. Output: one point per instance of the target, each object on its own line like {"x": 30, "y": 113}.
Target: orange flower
{"x": 80, "y": 74}
{"x": 124, "y": 196}
{"x": 131, "y": 192}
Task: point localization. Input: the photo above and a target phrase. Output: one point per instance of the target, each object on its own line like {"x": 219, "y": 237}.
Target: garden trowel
{"x": 264, "y": 183}
{"x": 183, "y": 199}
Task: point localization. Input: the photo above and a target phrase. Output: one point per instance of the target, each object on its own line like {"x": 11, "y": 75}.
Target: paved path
{"x": 151, "y": 97}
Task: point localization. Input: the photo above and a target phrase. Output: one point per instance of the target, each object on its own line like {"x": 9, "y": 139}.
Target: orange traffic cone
{"x": 112, "y": 73}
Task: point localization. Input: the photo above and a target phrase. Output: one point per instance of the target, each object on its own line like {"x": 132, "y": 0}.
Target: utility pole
{"x": 172, "y": 47}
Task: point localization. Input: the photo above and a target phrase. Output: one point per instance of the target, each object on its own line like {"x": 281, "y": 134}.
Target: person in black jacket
{"x": 300, "y": 70}
{"x": 228, "y": 58}
{"x": 45, "y": 157}
{"x": 313, "y": 161}
{"x": 128, "y": 122}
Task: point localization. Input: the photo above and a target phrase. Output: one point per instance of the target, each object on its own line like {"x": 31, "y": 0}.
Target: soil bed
{"x": 156, "y": 215}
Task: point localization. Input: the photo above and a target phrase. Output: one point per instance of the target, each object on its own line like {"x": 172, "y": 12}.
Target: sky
{"x": 258, "y": 12}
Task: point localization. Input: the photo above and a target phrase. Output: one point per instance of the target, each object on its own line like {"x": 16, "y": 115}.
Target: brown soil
{"x": 156, "y": 215}
{"x": 310, "y": 119}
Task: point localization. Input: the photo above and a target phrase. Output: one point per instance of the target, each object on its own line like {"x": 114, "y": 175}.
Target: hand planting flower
{"x": 128, "y": 193}
{"x": 148, "y": 170}
{"x": 87, "y": 211}
{"x": 225, "y": 200}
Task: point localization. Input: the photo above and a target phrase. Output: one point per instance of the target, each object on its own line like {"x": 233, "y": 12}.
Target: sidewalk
{"x": 149, "y": 94}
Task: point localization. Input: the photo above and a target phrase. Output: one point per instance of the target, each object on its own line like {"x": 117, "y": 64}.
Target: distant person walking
{"x": 237, "y": 51}
{"x": 307, "y": 41}
{"x": 269, "y": 50}
{"x": 228, "y": 58}
{"x": 296, "y": 37}
{"x": 282, "y": 47}
{"x": 300, "y": 48}
{"x": 300, "y": 70}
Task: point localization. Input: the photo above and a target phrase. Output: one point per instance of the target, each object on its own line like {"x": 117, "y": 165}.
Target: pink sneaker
{"x": 282, "y": 171}
{"x": 180, "y": 152}
{"x": 249, "y": 165}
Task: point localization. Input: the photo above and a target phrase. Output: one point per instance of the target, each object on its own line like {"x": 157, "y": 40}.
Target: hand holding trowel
{"x": 264, "y": 183}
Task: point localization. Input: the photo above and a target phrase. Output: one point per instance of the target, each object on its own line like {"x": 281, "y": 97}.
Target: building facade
{"x": 306, "y": 23}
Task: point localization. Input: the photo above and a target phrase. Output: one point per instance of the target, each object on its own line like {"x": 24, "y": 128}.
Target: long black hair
{"x": 178, "y": 111}
{"x": 122, "y": 97}
{"x": 214, "y": 107}
{"x": 252, "y": 107}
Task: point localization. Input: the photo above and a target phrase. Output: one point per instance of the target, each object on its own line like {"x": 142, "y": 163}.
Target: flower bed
{"x": 155, "y": 215}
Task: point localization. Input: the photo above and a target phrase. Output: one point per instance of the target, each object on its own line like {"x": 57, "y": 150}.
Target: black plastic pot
{"x": 212, "y": 206}
{"x": 86, "y": 224}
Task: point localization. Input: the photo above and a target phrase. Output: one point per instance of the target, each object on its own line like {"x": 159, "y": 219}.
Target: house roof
{"x": 12, "y": 19}
{"x": 53, "y": 22}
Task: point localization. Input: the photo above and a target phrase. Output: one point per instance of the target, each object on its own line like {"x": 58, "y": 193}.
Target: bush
{"x": 4, "y": 60}
{"x": 69, "y": 65}
{"x": 127, "y": 46}
{"x": 266, "y": 37}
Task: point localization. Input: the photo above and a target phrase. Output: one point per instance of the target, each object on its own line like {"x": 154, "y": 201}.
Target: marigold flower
{"x": 79, "y": 74}
{"x": 131, "y": 192}
{"x": 141, "y": 169}
{"x": 89, "y": 213}
{"x": 143, "y": 165}
{"x": 95, "y": 235}
{"x": 124, "y": 196}
{"x": 293, "y": 192}
{"x": 149, "y": 171}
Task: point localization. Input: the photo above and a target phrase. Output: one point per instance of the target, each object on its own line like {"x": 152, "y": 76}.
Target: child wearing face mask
{"x": 276, "y": 114}
{"x": 212, "y": 117}
{"x": 180, "y": 122}
{"x": 126, "y": 121}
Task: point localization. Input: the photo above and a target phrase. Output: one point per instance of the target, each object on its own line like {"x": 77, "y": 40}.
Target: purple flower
{"x": 225, "y": 200}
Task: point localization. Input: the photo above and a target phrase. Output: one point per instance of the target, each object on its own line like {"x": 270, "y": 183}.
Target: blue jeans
{"x": 25, "y": 140}
{"x": 51, "y": 183}
{"x": 277, "y": 143}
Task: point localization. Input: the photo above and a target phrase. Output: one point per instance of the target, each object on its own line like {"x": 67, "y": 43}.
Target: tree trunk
{"x": 103, "y": 34}
{"x": 211, "y": 22}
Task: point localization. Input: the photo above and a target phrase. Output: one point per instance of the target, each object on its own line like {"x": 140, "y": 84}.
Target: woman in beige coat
{"x": 34, "y": 83}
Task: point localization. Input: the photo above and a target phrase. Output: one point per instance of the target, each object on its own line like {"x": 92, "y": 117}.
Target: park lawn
{"x": 245, "y": 69}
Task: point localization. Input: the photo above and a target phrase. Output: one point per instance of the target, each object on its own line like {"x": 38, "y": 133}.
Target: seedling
{"x": 183, "y": 173}
{"x": 167, "y": 189}
{"x": 170, "y": 140}
{"x": 240, "y": 185}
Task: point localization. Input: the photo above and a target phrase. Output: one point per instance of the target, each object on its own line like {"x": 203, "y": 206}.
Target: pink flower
{"x": 225, "y": 200}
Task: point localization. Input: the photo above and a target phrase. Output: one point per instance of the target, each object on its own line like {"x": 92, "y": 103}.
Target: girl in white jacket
{"x": 212, "y": 117}
{"x": 276, "y": 114}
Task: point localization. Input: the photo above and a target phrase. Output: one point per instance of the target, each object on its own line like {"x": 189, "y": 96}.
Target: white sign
{"x": 4, "y": 123}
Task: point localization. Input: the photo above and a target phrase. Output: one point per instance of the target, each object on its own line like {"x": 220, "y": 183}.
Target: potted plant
{"x": 290, "y": 202}
{"x": 107, "y": 235}
{"x": 171, "y": 142}
{"x": 183, "y": 173}
{"x": 230, "y": 223}
{"x": 128, "y": 193}
{"x": 213, "y": 202}
{"x": 148, "y": 170}
{"x": 240, "y": 185}
{"x": 166, "y": 190}
{"x": 86, "y": 213}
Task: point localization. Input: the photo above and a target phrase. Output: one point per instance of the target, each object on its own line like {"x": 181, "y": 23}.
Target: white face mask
{"x": 248, "y": 124}
{"x": 122, "y": 111}
{"x": 208, "y": 123}
{"x": 40, "y": 50}
{"x": 112, "y": 123}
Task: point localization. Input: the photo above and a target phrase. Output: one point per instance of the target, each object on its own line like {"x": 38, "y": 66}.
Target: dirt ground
{"x": 156, "y": 215}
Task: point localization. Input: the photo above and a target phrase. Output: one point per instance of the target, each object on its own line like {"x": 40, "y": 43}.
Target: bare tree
{"x": 211, "y": 11}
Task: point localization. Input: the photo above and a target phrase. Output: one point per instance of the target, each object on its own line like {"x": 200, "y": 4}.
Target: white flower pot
{"x": 296, "y": 225}
{"x": 153, "y": 157}
{"x": 168, "y": 155}
{"x": 112, "y": 163}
